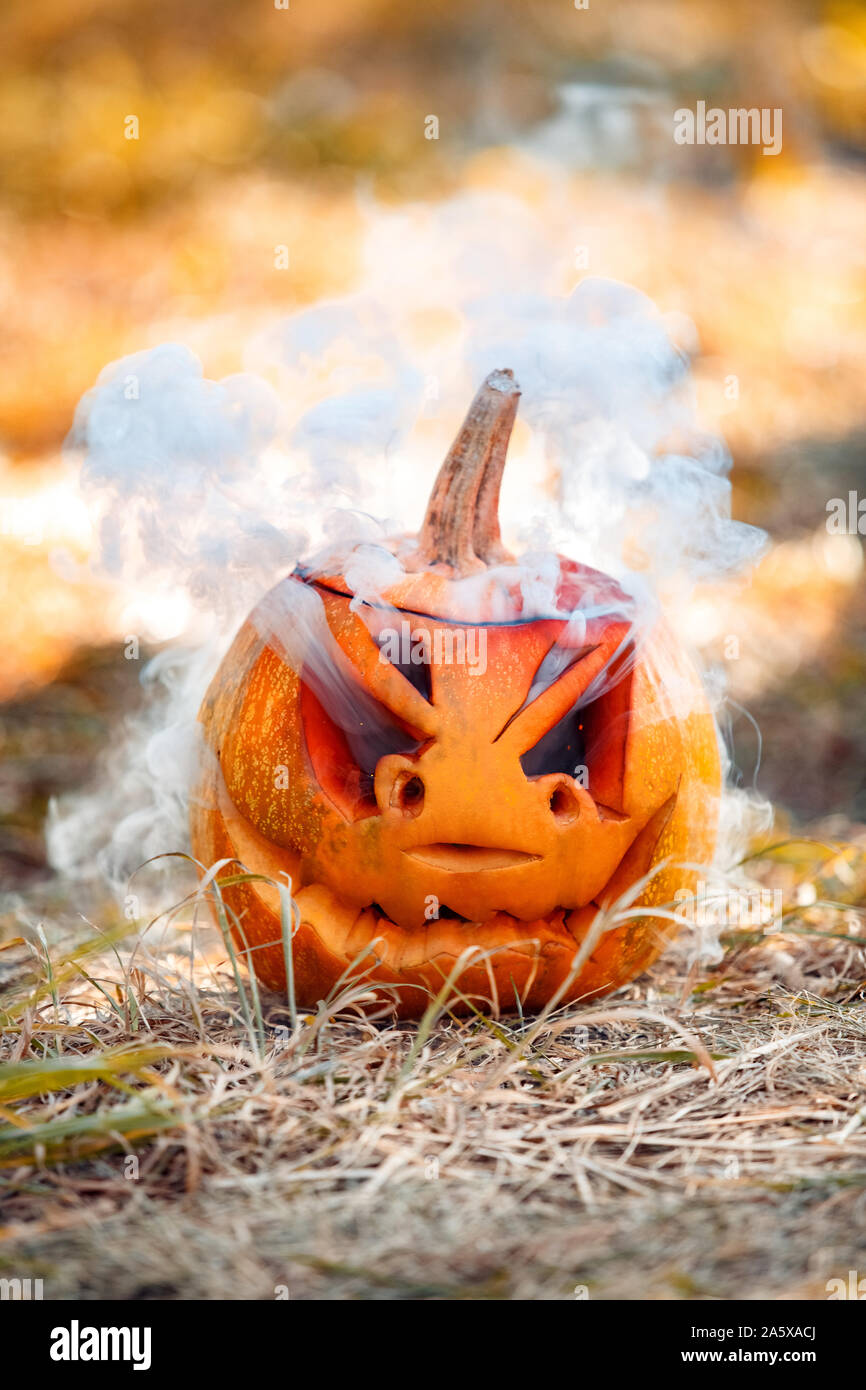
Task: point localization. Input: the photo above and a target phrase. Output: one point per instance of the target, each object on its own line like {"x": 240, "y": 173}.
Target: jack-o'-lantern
{"x": 442, "y": 763}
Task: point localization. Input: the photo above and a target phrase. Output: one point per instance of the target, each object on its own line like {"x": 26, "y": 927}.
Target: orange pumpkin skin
{"x": 458, "y": 834}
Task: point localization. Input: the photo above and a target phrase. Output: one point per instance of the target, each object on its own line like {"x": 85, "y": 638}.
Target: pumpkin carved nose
{"x": 398, "y": 786}
{"x": 563, "y": 799}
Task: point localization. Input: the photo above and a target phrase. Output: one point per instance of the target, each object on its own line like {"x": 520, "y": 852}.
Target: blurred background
{"x": 152, "y": 157}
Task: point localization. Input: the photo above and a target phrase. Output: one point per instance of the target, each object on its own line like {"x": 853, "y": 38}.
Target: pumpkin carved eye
{"x": 561, "y": 749}
{"x": 344, "y": 760}
{"x": 416, "y": 670}
{"x": 589, "y": 741}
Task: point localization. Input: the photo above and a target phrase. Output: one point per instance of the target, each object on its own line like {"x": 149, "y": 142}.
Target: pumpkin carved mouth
{"x": 469, "y": 858}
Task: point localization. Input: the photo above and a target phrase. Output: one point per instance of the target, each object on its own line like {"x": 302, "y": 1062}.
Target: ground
{"x": 700, "y": 1135}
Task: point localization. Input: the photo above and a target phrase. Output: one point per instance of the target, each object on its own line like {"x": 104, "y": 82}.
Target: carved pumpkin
{"x": 424, "y": 800}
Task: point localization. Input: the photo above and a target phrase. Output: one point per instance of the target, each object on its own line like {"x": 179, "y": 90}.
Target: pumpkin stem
{"x": 461, "y": 528}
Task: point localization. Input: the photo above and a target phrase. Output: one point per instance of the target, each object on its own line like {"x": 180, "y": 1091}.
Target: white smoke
{"x": 205, "y": 493}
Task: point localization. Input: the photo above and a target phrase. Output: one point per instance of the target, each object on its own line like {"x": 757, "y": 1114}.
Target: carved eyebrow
{"x": 556, "y": 663}
{"x": 532, "y": 720}
{"x": 417, "y": 673}
{"x": 292, "y": 620}
{"x": 391, "y": 688}
{"x": 554, "y": 666}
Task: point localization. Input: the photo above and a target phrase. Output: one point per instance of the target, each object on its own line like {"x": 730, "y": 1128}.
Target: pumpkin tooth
{"x": 530, "y": 946}
{"x": 501, "y": 930}
{"x": 332, "y": 919}
{"x": 579, "y": 921}
{"x": 361, "y": 932}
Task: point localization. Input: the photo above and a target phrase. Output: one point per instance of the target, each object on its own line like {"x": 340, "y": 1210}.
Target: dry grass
{"x": 165, "y": 1134}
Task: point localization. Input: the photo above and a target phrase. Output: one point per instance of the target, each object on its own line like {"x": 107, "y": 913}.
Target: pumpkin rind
{"x": 517, "y": 865}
